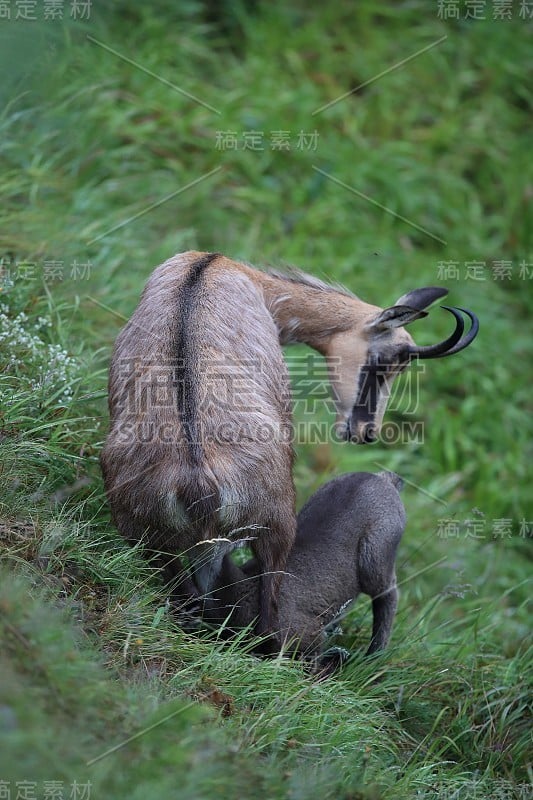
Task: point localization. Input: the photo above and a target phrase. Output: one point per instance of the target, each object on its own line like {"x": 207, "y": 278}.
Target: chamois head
{"x": 381, "y": 349}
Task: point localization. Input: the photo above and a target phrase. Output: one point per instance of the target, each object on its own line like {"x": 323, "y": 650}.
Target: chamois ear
{"x": 394, "y": 317}
{"x": 421, "y": 298}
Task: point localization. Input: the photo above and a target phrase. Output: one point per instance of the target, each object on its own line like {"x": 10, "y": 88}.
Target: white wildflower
{"x": 42, "y": 367}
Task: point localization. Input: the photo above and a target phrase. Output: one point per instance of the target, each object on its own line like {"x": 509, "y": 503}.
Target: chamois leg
{"x": 206, "y": 560}
{"x": 271, "y": 549}
{"x": 330, "y": 662}
{"x": 155, "y": 542}
{"x": 383, "y": 610}
{"x": 377, "y": 578}
{"x": 176, "y": 577}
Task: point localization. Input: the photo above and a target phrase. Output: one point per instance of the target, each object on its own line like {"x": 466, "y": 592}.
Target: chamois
{"x": 199, "y": 444}
{"x": 346, "y": 542}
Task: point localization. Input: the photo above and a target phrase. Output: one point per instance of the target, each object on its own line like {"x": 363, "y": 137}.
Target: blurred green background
{"x": 384, "y": 146}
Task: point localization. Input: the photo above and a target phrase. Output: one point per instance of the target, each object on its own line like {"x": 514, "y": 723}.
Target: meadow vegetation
{"x": 99, "y": 682}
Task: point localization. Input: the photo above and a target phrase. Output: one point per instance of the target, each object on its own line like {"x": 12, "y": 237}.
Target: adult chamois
{"x": 199, "y": 444}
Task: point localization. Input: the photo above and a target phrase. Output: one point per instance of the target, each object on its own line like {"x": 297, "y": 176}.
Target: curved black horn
{"x": 470, "y": 336}
{"x": 443, "y": 348}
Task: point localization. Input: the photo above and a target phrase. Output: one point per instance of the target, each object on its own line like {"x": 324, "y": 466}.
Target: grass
{"x": 91, "y": 656}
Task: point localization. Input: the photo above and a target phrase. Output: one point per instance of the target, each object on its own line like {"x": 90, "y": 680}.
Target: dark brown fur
{"x": 348, "y": 534}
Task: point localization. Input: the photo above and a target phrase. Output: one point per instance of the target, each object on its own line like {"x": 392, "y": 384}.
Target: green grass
{"x": 90, "y": 655}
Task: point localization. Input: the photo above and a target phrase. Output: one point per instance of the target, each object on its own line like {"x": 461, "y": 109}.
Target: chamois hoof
{"x": 330, "y": 662}
{"x": 187, "y": 611}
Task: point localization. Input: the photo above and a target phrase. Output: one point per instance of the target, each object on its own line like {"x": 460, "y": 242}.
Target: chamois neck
{"x": 307, "y": 311}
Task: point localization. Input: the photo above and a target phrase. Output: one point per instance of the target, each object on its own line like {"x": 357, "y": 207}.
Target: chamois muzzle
{"x": 454, "y": 343}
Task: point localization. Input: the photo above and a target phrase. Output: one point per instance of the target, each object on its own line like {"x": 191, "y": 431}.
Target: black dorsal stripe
{"x": 186, "y": 352}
